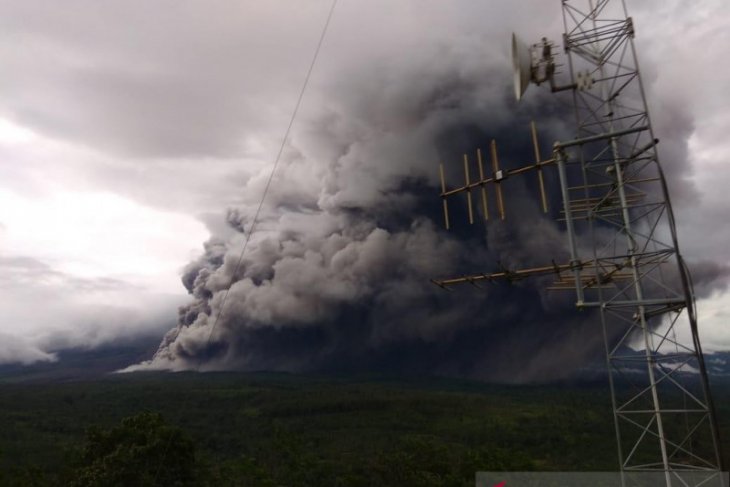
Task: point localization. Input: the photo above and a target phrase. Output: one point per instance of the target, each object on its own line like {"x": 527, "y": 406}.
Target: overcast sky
{"x": 127, "y": 129}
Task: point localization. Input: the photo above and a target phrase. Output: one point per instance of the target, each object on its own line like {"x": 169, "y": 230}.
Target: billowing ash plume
{"x": 337, "y": 274}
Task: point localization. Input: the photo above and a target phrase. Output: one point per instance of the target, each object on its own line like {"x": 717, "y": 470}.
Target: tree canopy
{"x": 143, "y": 450}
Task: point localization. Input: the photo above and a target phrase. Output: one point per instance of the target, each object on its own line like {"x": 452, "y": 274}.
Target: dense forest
{"x": 284, "y": 430}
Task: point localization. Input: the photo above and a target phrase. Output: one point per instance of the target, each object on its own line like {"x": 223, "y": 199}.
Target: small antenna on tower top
{"x": 536, "y": 64}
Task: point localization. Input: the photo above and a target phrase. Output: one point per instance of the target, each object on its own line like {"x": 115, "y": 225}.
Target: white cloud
{"x": 18, "y": 349}
{"x": 116, "y": 137}
{"x": 713, "y": 317}
{"x": 79, "y": 263}
{"x": 98, "y": 234}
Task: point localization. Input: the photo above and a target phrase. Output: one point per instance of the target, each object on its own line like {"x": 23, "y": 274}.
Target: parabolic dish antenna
{"x": 521, "y": 65}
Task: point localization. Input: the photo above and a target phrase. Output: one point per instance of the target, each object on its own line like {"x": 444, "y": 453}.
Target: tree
{"x": 142, "y": 451}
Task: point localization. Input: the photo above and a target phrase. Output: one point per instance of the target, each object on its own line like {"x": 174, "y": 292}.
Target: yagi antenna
{"x": 496, "y": 178}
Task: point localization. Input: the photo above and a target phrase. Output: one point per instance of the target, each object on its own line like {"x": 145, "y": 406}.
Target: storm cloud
{"x": 181, "y": 107}
{"x": 337, "y": 275}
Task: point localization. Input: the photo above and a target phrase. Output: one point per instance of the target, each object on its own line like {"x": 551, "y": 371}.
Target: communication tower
{"x": 625, "y": 263}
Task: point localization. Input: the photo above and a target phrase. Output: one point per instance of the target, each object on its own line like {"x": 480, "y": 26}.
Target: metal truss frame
{"x": 620, "y": 210}
{"x": 625, "y": 260}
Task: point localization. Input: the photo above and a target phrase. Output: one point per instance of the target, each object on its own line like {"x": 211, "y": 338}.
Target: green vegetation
{"x": 142, "y": 451}
{"x": 276, "y": 429}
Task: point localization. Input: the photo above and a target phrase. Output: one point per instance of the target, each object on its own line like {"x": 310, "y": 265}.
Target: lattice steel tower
{"x": 625, "y": 261}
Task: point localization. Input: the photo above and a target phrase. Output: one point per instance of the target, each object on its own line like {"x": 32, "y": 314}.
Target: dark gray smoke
{"x": 337, "y": 275}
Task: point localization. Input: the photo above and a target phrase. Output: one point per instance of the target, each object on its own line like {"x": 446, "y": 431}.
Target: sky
{"x": 136, "y": 139}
